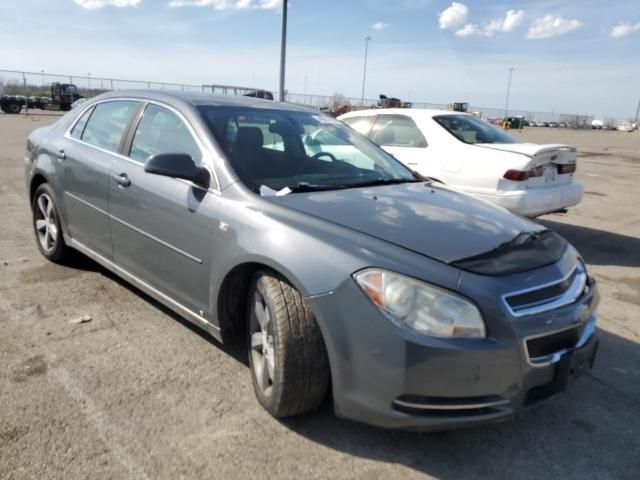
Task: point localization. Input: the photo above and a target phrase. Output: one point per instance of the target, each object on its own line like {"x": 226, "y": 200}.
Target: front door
{"x": 162, "y": 227}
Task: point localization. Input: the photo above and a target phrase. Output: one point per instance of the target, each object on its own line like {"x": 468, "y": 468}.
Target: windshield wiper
{"x": 383, "y": 181}
{"x": 311, "y": 187}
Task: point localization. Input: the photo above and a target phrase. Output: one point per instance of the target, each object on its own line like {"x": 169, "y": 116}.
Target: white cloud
{"x": 228, "y": 4}
{"x": 93, "y": 4}
{"x": 512, "y": 20}
{"x": 379, "y": 26}
{"x": 551, "y": 26}
{"x": 509, "y": 23}
{"x": 624, "y": 29}
{"x": 453, "y": 17}
{"x": 469, "y": 30}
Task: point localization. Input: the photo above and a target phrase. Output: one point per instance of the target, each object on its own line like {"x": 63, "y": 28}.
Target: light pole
{"x": 283, "y": 48}
{"x": 367, "y": 39}
{"x": 89, "y": 76}
{"x": 42, "y": 72}
{"x": 506, "y": 105}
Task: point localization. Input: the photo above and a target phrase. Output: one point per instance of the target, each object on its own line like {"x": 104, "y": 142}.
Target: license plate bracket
{"x": 574, "y": 363}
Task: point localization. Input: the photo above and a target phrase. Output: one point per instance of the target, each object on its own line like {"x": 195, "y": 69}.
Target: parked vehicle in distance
{"x": 626, "y": 127}
{"x": 345, "y": 272}
{"x": 471, "y": 155}
{"x": 63, "y": 95}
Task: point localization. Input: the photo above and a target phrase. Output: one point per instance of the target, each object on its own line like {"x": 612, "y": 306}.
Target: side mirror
{"x": 176, "y": 165}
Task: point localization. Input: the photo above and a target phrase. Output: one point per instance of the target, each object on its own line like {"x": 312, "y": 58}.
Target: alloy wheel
{"x": 45, "y": 223}
{"x": 263, "y": 354}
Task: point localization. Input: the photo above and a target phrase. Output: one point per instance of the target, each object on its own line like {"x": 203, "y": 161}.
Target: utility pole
{"x": 283, "y": 48}
{"x": 367, "y": 39}
{"x": 26, "y": 93}
{"x": 506, "y": 106}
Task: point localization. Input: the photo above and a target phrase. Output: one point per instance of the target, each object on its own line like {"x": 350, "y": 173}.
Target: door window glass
{"x": 397, "y": 131}
{"x": 162, "y": 131}
{"x": 360, "y": 124}
{"x": 78, "y": 128}
{"x": 107, "y": 124}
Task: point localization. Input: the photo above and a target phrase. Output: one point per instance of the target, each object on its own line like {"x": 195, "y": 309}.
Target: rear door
{"x": 400, "y": 136}
{"x": 85, "y": 160}
{"x": 163, "y": 227}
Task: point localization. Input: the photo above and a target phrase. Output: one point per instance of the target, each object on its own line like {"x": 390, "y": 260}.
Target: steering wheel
{"x": 313, "y": 158}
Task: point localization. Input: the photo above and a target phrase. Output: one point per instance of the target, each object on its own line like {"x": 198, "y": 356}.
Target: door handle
{"x": 61, "y": 155}
{"x": 122, "y": 179}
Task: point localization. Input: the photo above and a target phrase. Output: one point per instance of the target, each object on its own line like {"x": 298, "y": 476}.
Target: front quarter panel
{"x": 315, "y": 255}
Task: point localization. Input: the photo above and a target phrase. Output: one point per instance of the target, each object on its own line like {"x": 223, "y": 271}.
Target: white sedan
{"x": 471, "y": 155}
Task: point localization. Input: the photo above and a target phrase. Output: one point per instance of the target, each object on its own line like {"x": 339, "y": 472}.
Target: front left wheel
{"x": 287, "y": 355}
{"x": 46, "y": 225}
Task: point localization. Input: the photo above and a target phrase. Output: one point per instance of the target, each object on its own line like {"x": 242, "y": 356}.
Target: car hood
{"x": 422, "y": 217}
{"x": 529, "y": 149}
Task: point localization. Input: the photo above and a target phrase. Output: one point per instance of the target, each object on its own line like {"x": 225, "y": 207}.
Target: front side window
{"x": 78, "y": 128}
{"x": 107, "y": 124}
{"x": 280, "y": 149}
{"x": 472, "y": 130}
{"x": 397, "y": 131}
{"x": 162, "y": 131}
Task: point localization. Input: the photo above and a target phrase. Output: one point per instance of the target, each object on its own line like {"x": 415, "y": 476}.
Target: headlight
{"x": 420, "y": 306}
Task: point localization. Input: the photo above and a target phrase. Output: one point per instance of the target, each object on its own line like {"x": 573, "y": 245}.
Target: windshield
{"x": 299, "y": 150}
{"x": 470, "y": 129}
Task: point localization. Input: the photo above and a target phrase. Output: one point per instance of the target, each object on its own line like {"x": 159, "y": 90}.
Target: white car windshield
{"x": 299, "y": 150}
{"x": 470, "y": 129}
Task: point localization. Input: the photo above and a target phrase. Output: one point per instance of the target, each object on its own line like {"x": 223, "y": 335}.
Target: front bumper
{"x": 395, "y": 378}
{"x": 539, "y": 200}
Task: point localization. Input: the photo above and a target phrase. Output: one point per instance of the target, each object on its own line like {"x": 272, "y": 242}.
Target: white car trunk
{"x": 551, "y": 163}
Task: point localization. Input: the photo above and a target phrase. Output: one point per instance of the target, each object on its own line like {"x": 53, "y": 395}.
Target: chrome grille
{"x": 549, "y": 296}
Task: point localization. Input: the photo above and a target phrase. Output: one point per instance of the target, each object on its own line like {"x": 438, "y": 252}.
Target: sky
{"x": 570, "y": 56}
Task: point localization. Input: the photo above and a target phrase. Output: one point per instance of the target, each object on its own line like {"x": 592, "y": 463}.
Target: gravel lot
{"x": 138, "y": 393}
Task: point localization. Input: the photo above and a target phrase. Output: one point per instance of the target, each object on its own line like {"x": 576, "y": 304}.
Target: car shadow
{"x": 80, "y": 261}
{"x": 590, "y": 431}
{"x": 599, "y": 247}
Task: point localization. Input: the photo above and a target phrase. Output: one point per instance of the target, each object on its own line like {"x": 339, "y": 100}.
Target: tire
{"x": 14, "y": 107}
{"x": 287, "y": 357}
{"x": 46, "y": 225}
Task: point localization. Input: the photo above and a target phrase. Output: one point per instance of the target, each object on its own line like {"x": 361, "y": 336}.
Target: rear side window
{"x": 470, "y": 129}
{"x": 162, "y": 131}
{"x": 78, "y": 128}
{"x": 360, "y": 124}
{"x": 397, "y": 131}
{"x": 107, "y": 124}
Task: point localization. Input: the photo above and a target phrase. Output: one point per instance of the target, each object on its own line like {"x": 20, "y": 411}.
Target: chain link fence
{"x": 39, "y": 84}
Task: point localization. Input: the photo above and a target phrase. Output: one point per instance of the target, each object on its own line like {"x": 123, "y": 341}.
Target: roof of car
{"x": 197, "y": 99}
{"x": 410, "y": 112}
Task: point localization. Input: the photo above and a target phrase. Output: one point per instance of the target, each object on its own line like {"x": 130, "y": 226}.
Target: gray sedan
{"x": 345, "y": 273}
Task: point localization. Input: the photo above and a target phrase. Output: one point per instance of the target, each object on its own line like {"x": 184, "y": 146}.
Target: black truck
{"x": 62, "y": 96}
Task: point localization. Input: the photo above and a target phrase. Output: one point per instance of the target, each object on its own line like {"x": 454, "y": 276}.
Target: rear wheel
{"x": 288, "y": 359}
{"x": 46, "y": 225}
